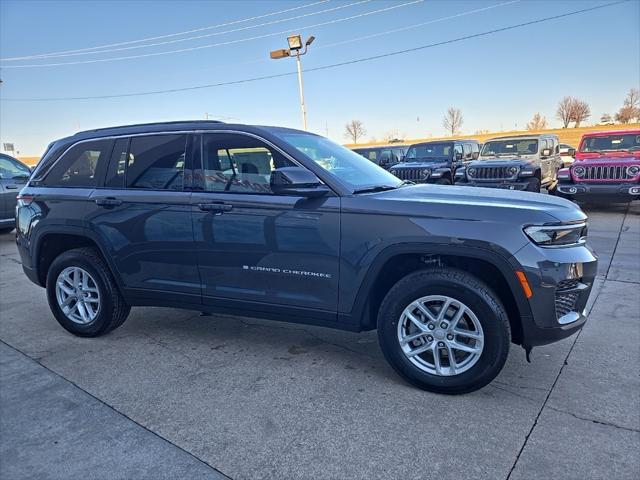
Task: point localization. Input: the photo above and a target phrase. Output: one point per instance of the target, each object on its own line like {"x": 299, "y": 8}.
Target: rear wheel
{"x": 534, "y": 185}
{"x": 83, "y": 295}
{"x": 444, "y": 331}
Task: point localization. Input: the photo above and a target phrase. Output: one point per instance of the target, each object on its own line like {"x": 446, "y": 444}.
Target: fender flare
{"x": 504, "y": 262}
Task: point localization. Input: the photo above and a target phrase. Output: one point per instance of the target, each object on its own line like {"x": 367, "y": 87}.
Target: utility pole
{"x": 295, "y": 47}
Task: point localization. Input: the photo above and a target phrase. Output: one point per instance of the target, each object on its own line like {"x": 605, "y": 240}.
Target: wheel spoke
{"x": 411, "y": 338}
{"x": 416, "y": 321}
{"x": 425, "y": 311}
{"x": 458, "y": 316}
{"x": 83, "y": 312}
{"x": 465, "y": 348}
{"x": 65, "y": 289}
{"x": 452, "y": 361}
{"x": 419, "y": 350}
{"x": 443, "y": 310}
{"x": 436, "y": 358}
{"x": 467, "y": 333}
{"x": 67, "y": 301}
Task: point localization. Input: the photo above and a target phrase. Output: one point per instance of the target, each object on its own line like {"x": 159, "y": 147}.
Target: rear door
{"x": 256, "y": 247}
{"x": 142, "y": 216}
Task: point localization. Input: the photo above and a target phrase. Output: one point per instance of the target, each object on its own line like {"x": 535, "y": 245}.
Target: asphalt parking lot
{"x": 172, "y": 394}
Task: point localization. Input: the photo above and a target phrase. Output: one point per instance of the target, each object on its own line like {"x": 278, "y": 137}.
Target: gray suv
{"x": 286, "y": 225}
{"x": 521, "y": 162}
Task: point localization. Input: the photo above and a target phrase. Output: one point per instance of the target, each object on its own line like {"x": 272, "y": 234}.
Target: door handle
{"x": 108, "y": 202}
{"x": 215, "y": 207}
{"x": 11, "y": 187}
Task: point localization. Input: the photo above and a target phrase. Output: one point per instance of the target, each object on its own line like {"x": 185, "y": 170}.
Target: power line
{"x": 197, "y": 37}
{"x": 334, "y": 65}
{"x": 230, "y": 42}
{"x": 148, "y": 39}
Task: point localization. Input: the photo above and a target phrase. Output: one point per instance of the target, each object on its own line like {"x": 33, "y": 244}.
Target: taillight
{"x": 25, "y": 199}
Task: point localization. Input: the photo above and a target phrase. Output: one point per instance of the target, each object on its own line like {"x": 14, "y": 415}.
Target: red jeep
{"x": 607, "y": 168}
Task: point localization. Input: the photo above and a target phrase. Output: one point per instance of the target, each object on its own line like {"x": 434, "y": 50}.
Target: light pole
{"x": 295, "y": 48}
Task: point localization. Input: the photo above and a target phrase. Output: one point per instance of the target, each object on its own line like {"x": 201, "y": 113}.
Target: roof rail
{"x": 175, "y": 122}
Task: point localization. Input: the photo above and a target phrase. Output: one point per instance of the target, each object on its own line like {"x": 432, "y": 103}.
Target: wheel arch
{"x": 396, "y": 261}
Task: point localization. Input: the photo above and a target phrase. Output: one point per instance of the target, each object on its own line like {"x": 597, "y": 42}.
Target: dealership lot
{"x": 173, "y": 394}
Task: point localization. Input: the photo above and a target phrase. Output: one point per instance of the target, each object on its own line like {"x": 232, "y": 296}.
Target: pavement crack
{"x": 615, "y": 248}
{"x": 599, "y": 422}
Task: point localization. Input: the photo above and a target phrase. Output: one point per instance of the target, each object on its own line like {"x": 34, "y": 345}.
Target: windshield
{"x": 429, "y": 152}
{"x": 500, "y": 148}
{"x": 611, "y": 143}
{"x": 346, "y": 165}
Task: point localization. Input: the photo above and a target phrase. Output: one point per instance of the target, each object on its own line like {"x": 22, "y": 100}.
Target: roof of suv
{"x": 534, "y": 135}
{"x": 174, "y": 126}
{"x": 453, "y": 140}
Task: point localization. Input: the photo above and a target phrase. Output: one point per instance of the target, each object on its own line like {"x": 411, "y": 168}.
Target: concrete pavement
{"x": 258, "y": 399}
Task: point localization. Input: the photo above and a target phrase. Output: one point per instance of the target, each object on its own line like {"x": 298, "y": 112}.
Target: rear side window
{"x": 78, "y": 167}
{"x": 156, "y": 162}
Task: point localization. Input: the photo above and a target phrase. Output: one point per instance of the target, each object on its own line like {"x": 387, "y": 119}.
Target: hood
{"x": 608, "y": 159}
{"x": 478, "y": 204}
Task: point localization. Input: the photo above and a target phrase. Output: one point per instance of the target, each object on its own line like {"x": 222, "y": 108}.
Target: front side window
{"x": 467, "y": 150}
{"x": 78, "y": 166}
{"x": 348, "y": 167}
{"x": 156, "y": 162}
{"x": 9, "y": 168}
{"x": 239, "y": 163}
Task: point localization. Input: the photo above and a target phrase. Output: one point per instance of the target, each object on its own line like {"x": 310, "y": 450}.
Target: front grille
{"x": 605, "y": 172}
{"x": 492, "y": 173}
{"x": 566, "y": 297}
{"x": 409, "y": 173}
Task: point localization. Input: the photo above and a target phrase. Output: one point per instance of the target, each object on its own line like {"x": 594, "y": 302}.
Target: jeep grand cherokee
{"x": 287, "y": 225}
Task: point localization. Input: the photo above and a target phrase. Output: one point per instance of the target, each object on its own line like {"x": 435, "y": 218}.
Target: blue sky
{"x": 499, "y": 81}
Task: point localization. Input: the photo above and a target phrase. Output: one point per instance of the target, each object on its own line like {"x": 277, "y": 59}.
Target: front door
{"x": 13, "y": 176}
{"x": 255, "y": 246}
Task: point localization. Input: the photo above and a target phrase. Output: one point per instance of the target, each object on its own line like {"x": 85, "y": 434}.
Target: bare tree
{"x": 354, "y": 130}
{"x": 625, "y": 114}
{"x": 606, "y": 119}
{"x": 633, "y": 102}
{"x": 580, "y": 112}
{"x": 565, "y": 111}
{"x": 537, "y": 123}
{"x": 452, "y": 121}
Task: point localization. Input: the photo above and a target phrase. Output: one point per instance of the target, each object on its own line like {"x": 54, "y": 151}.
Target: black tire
{"x": 5, "y": 230}
{"x": 534, "y": 185}
{"x": 113, "y": 309}
{"x": 443, "y": 181}
{"x": 474, "y": 294}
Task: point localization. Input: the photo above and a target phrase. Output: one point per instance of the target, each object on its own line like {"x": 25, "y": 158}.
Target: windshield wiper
{"x": 374, "y": 188}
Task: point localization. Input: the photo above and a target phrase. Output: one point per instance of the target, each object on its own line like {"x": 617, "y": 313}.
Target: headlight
{"x": 426, "y": 172}
{"x": 513, "y": 170}
{"x": 578, "y": 171}
{"x": 460, "y": 172}
{"x": 526, "y": 173}
{"x": 633, "y": 170}
{"x": 471, "y": 171}
{"x": 557, "y": 235}
{"x": 564, "y": 174}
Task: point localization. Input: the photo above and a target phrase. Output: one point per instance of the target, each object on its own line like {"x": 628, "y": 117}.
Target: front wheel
{"x": 444, "y": 331}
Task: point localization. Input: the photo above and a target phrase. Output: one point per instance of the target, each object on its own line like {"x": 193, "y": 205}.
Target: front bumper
{"x": 561, "y": 280}
{"x": 505, "y": 184}
{"x": 623, "y": 192}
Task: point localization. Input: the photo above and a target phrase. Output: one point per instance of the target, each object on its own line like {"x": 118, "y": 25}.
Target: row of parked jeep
{"x": 606, "y": 166}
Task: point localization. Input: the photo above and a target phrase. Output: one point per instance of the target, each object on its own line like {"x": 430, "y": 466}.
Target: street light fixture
{"x": 295, "y": 48}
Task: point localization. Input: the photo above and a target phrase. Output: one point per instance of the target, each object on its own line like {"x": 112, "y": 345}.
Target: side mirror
{"x": 458, "y": 156}
{"x": 296, "y": 181}
{"x": 546, "y": 152}
{"x": 571, "y": 152}
{"x": 475, "y": 155}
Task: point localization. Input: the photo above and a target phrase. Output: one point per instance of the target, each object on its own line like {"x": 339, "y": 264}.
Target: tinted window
{"x": 77, "y": 168}
{"x": 467, "y": 150}
{"x": 9, "y": 168}
{"x": 156, "y": 162}
{"x": 611, "y": 143}
{"x": 238, "y": 163}
{"x": 117, "y": 164}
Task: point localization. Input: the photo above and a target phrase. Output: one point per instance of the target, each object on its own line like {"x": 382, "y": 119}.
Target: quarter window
{"x": 238, "y": 163}
{"x": 78, "y": 167}
{"x": 156, "y": 162}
